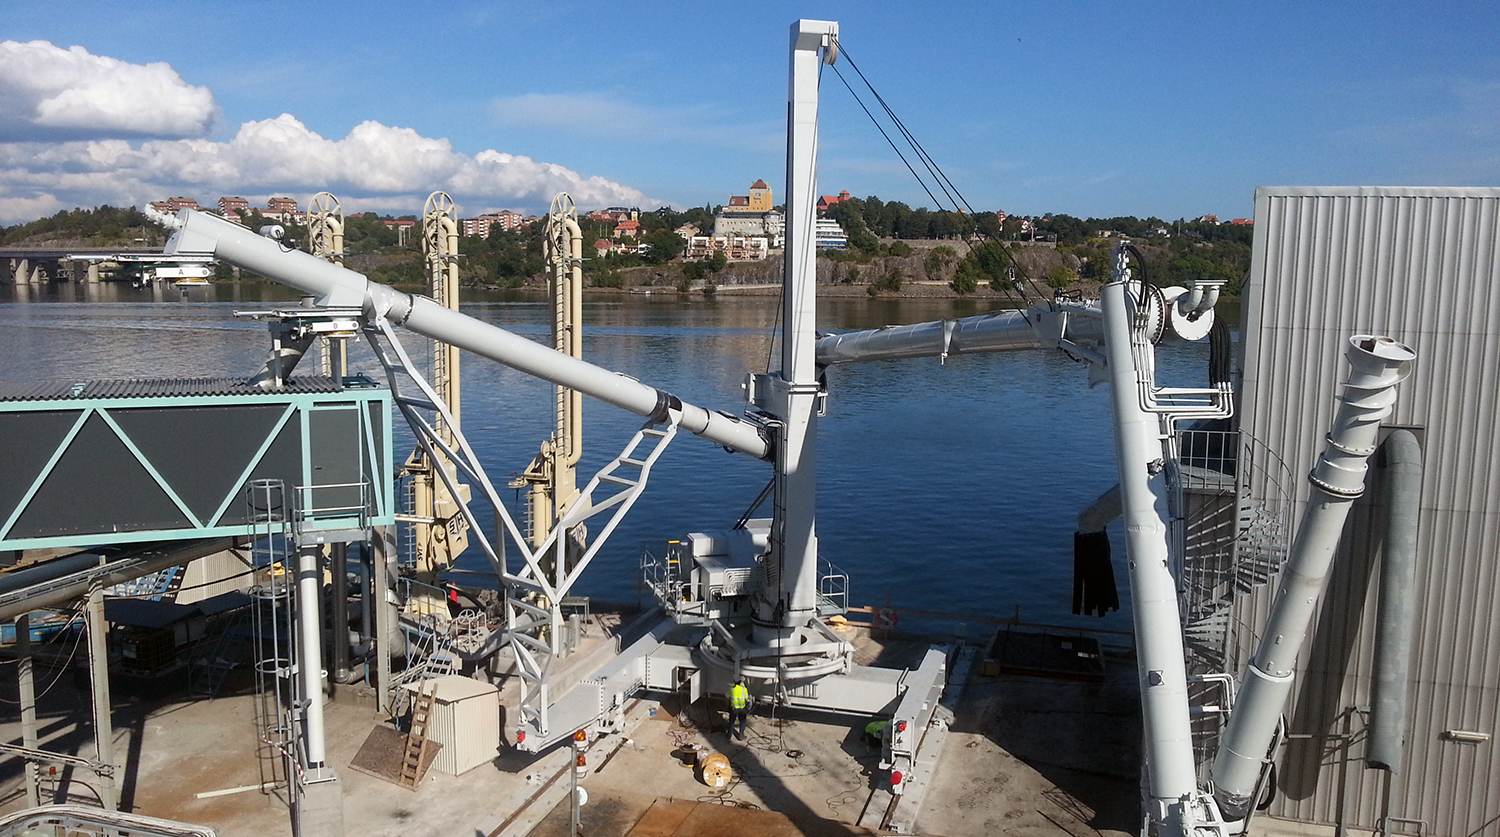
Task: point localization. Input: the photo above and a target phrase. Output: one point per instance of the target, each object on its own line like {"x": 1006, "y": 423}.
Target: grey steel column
{"x": 339, "y": 605}
{"x": 104, "y": 733}
{"x": 27, "y": 683}
{"x": 382, "y": 564}
{"x": 310, "y": 642}
{"x": 1395, "y": 623}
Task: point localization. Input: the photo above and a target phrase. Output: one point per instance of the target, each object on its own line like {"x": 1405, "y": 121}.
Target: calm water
{"x": 941, "y": 487}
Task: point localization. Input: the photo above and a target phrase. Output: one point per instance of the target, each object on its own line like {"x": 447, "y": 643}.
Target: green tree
{"x": 1060, "y": 276}
{"x": 937, "y": 260}
{"x": 664, "y": 246}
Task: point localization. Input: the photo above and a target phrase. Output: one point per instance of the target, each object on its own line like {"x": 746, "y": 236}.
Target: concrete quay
{"x": 1022, "y": 755}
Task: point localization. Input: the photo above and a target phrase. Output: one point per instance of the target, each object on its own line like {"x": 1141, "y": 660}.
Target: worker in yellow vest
{"x": 739, "y": 708}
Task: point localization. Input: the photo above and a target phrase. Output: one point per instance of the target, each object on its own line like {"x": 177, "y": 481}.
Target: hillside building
{"x": 827, "y": 201}
{"x": 736, "y": 248}
{"x": 752, "y": 215}
{"x": 233, "y": 208}
{"x": 480, "y": 226}
{"x": 830, "y": 236}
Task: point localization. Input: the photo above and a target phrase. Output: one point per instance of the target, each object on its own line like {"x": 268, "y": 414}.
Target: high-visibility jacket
{"x": 876, "y": 729}
{"x": 739, "y": 696}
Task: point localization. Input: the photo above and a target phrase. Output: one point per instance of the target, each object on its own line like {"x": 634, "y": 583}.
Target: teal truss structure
{"x": 150, "y": 460}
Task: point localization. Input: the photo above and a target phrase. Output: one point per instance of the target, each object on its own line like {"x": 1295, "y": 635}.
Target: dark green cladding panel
{"x": 337, "y": 451}
{"x": 283, "y": 461}
{"x": 27, "y": 442}
{"x": 98, "y": 486}
{"x": 200, "y": 451}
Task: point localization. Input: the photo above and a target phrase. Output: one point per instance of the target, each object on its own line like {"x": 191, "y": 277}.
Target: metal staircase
{"x": 1232, "y": 527}
{"x": 220, "y": 654}
{"x": 155, "y": 587}
{"x": 432, "y": 648}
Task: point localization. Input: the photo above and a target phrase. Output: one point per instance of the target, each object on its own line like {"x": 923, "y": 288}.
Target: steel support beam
{"x": 25, "y": 677}
{"x": 104, "y": 732}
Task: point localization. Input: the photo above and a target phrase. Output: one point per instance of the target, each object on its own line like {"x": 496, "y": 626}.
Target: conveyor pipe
{"x": 1377, "y": 364}
{"x": 1038, "y": 327}
{"x": 201, "y": 233}
{"x": 1396, "y": 618}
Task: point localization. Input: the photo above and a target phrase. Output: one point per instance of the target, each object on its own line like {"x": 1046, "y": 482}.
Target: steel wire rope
{"x": 938, "y": 175}
{"x": 927, "y": 161}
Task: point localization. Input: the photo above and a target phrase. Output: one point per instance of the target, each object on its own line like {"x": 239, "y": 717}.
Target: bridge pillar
{"x": 93, "y": 274}
{"x": 21, "y": 271}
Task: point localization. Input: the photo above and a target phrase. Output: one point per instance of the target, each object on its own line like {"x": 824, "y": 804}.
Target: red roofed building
{"x": 827, "y": 201}
{"x": 629, "y": 228}
{"x": 1242, "y": 222}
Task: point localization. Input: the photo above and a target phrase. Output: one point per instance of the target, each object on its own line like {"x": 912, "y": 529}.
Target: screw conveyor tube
{"x": 334, "y": 286}
{"x": 1377, "y": 364}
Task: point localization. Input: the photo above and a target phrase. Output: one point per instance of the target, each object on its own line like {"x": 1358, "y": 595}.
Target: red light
{"x": 520, "y": 736}
{"x": 582, "y": 760}
{"x": 896, "y": 777}
{"x": 900, "y": 726}
{"x": 581, "y": 736}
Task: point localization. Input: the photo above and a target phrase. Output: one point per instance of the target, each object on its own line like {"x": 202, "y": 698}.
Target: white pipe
{"x": 1377, "y": 365}
{"x": 310, "y": 640}
{"x": 1036, "y": 328}
{"x": 1171, "y": 778}
{"x": 335, "y": 286}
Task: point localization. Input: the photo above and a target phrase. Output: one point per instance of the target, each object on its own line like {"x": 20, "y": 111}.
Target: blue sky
{"x": 1100, "y": 109}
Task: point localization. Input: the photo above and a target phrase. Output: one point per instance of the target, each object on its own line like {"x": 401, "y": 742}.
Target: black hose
{"x": 1220, "y": 353}
{"x": 1270, "y": 789}
{"x": 1140, "y": 261}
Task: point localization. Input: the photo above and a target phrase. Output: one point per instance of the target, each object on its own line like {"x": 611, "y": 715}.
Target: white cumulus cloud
{"x": 375, "y": 167}
{"x": 47, "y": 92}
{"x": 52, "y": 157}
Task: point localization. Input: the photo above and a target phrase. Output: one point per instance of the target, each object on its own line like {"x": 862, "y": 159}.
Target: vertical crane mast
{"x": 1140, "y": 441}
{"x": 789, "y": 599}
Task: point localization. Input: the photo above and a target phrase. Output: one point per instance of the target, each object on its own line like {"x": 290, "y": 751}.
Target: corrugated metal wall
{"x": 1423, "y": 266}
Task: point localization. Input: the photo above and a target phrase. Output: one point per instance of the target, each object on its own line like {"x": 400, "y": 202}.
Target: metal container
{"x": 466, "y": 721}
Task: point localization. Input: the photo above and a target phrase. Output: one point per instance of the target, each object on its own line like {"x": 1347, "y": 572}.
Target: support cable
{"x": 955, "y": 198}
